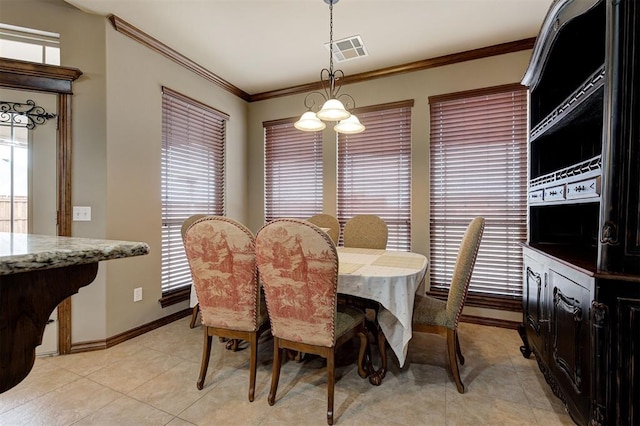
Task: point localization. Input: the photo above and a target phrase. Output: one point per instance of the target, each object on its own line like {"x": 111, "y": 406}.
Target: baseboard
{"x": 129, "y": 334}
{"x": 145, "y": 328}
{"x": 494, "y": 322}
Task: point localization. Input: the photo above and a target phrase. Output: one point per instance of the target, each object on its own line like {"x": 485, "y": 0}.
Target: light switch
{"x": 81, "y": 213}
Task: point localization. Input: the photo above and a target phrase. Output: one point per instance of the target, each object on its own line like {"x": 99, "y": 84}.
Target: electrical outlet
{"x": 137, "y": 294}
{"x": 81, "y": 213}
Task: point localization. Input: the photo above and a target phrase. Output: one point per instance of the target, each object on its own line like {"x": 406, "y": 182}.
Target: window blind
{"x": 374, "y": 170}
{"x": 293, "y": 171}
{"x": 478, "y": 167}
{"x": 193, "y": 176}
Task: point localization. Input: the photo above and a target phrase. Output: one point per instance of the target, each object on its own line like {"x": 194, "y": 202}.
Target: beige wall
{"x": 117, "y": 141}
{"x": 498, "y": 70}
{"x": 134, "y": 137}
{"x": 419, "y": 86}
{"x": 116, "y": 156}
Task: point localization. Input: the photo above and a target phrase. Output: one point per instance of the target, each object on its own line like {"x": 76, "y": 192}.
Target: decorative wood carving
{"x": 37, "y": 293}
{"x": 567, "y": 347}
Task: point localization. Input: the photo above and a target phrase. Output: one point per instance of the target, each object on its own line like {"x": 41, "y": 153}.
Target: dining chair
{"x": 196, "y": 307}
{"x": 324, "y": 220}
{"x": 221, "y": 255}
{"x": 365, "y": 231}
{"x": 298, "y": 266}
{"x": 431, "y": 315}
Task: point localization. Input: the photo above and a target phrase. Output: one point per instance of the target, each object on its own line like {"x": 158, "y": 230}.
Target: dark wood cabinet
{"x": 581, "y": 277}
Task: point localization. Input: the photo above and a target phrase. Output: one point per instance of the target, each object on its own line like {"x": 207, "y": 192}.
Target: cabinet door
{"x": 534, "y": 306}
{"x": 570, "y": 342}
{"x": 628, "y": 375}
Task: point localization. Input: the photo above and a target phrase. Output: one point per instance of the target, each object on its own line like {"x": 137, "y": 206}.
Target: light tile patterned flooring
{"x": 150, "y": 380}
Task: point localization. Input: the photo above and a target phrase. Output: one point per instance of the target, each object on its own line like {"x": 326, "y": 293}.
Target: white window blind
{"x": 293, "y": 171}
{"x": 193, "y": 176}
{"x": 478, "y": 167}
{"x": 374, "y": 170}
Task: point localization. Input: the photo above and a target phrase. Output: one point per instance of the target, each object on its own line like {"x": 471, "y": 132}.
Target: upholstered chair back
{"x": 221, "y": 254}
{"x": 298, "y": 266}
{"x": 365, "y": 231}
{"x": 324, "y": 220}
{"x": 461, "y": 277}
{"x": 187, "y": 223}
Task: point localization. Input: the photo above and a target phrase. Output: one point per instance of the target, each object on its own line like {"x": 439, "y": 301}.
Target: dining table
{"x": 389, "y": 278}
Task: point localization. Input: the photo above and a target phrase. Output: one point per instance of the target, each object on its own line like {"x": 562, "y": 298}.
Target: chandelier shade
{"x": 336, "y": 107}
{"x": 349, "y": 126}
{"x": 309, "y": 122}
{"x": 333, "y": 110}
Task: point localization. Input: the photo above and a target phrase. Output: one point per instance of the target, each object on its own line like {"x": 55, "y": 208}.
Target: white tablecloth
{"x": 390, "y": 278}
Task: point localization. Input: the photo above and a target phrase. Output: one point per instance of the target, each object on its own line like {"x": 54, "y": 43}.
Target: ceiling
{"x": 264, "y": 45}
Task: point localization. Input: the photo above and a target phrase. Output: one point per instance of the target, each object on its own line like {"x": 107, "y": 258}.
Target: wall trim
{"x": 439, "y": 61}
{"x": 95, "y": 345}
{"x": 125, "y": 28}
{"x": 492, "y": 322}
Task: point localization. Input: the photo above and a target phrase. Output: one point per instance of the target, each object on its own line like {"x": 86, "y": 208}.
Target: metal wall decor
{"x": 10, "y": 111}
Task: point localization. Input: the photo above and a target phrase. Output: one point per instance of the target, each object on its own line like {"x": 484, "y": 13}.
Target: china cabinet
{"x": 581, "y": 275}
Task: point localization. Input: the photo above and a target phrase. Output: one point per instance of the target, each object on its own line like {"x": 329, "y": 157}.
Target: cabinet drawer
{"x": 555, "y": 193}
{"x": 583, "y": 189}
{"x": 536, "y": 196}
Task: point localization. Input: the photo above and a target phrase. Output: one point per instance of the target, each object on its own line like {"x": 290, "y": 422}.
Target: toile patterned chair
{"x": 324, "y": 220}
{"x": 195, "y": 308}
{"x": 365, "y": 231}
{"x": 221, "y": 254}
{"x": 298, "y": 266}
{"x": 431, "y": 315}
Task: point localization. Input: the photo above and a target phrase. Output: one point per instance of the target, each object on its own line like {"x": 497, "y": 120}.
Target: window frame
{"x": 514, "y": 189}
{"x": 380, "y": 131}
{"x": 285, "y": 144}
{"x": 192, "y": 133}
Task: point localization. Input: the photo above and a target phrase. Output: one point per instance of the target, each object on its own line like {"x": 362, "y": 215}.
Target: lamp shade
{"x": 333, "y": 110}
{"x": 309, "y": 123}
{"x": 349, "y": 126}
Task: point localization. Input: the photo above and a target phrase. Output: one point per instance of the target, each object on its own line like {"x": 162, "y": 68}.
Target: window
{"x": 14, "y": 192}
{"x": 293, "y": 171}
{"x": 193, "y": 179}
{"x": 478, "y": 167}
{"x": 374, "y": 170}
{"x": 31, "y": 45}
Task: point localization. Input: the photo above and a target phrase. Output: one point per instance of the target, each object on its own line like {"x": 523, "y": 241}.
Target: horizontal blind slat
{"x": 478, "y": 157}
{"x": 192, "y": 176}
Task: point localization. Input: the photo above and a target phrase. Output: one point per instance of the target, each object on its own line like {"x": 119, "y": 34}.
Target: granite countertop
{"x": 28, "y": 252}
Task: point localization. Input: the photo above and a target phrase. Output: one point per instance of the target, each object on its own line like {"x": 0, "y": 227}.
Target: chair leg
{"x": 253, "y": 364}
{"x": 206, "y": 352}
{"x": 458, "y": 351}
{"x": 453, "y": 361}
{"x": 331, "y": 378}
{"x": 364, "y": 348}
{"x": 194, "y": 315}
{"x": 278, "y": 354}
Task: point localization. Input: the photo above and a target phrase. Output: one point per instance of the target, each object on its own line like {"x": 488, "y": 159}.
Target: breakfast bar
{"x": 37, "y": 272}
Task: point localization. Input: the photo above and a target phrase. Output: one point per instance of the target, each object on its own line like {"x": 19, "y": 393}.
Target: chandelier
{"x": 333, "y": 109}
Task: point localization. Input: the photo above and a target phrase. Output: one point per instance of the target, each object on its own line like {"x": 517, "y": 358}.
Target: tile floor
{"x": 150, "y": 380}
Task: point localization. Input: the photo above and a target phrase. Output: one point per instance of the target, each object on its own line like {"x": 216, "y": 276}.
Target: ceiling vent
{"x": 348, "y": 48}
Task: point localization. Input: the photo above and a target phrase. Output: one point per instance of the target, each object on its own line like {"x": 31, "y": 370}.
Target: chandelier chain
{"x": 331, "y": 36}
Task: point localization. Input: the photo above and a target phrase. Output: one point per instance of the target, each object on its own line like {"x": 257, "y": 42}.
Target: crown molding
{"x": 123, "y": 27}
{"x": 454, "y": 58}
{"x": 145, "y": 39}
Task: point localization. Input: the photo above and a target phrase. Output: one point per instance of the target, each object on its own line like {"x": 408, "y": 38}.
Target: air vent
{"x": 348, "y": 48}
